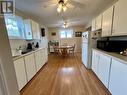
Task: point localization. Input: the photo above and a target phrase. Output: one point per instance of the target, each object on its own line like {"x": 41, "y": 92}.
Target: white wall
{"x": 7, "y": 62}
{"x": 71, "y": 41}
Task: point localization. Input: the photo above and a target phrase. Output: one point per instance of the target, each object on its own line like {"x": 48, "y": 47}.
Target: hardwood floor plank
{"x": 65, "y": 76}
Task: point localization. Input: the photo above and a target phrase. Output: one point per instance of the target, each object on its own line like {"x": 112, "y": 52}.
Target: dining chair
{"x": 56, "y": 50}
{"x": 72, "y": 50}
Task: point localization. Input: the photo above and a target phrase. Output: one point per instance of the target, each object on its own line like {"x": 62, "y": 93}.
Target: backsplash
{"x": 15, "y": 44}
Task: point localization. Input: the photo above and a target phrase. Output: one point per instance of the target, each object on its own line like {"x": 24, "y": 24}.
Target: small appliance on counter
{"x": 112, "y": 45}
{"x": 29, "y": 46}
{"x": 37, "y": 45}
{"x": 124, "y": 52}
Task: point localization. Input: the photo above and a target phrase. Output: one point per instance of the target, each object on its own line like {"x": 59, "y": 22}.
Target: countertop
{"x": 23, "y": 55}
{"x": 113, "y": 55}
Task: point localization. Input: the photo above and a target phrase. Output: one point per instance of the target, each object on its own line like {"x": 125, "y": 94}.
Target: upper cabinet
{"x": 120, "y": 18}
{"x": 114, "y": 22}
{"x": 99, "y": 22}
{"x": 15, "y": 27}
{"x": 32, "y": 29}
{"x": 93, "y": 25}
{"x": 107, "y": 22}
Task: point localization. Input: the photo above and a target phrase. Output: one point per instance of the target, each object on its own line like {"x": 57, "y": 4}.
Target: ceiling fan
{"x": 63, "y": 5}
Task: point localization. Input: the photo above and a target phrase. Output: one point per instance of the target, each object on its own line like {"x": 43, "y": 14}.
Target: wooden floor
{"x": 64, "y": 76}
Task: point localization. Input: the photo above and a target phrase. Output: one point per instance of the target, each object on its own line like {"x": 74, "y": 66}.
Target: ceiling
{"x": 51, "y": 18}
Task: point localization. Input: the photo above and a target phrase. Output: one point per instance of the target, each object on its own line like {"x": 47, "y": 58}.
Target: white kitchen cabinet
{"x": 95, "y": 61}
{"x": 120, "y": 18}
{"x": 20, "y": 72}
{"x": 104, "y": 69}
{"x": 43, "y": 56}
{"x": 46, "y": 55}
{"x": 15, "y": 27}
{"x": 101, "y": 66}
{"x": 38, "y": 59}
{"x": 35, "y": 30}
{"x": 28, "y": 30}
{"x": 118, "y": 78}
{"x": 30, "y": 66}
{"x": 32, "y": 29}
{"x": 107, "y": 22}
{"x": 99, "y": 22}
{"x": 93, "y": 24}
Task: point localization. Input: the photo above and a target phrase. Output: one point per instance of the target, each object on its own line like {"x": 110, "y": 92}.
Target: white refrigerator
{"x": 87, "y": 44}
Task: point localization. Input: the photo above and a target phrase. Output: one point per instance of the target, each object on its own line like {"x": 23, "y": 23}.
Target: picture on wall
{"x": 78, "y": 34}
{"x": 53, "y": 33}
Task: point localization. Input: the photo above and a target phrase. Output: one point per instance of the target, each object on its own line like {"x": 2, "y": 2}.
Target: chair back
{"x": 74, "y": 47}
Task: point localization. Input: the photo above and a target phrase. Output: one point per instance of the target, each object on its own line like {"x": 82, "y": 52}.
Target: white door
{"x": 95, "y": 61}
{"x": 118, "y": 78}
{"x": 30, "y": 66}
{"x": 120, "y": 18}
{"x": 104, "y": 69}
{"x": 20, "y": 72}
{"x": 107, "y": 22}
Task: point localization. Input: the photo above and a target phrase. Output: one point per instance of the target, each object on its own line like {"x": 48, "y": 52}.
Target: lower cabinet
{"x": 118, "y": 78}
{"x": 46, "y": 54}
{"x": 27, "y": 66}
{"x": 20, "y": 72}
{"x": 30, "y": 66}
{"x": 101, "y": 66}
{"x": 95, "y": 60}
{"x": 38, "y": 59}
{"x": 104, "y": 69}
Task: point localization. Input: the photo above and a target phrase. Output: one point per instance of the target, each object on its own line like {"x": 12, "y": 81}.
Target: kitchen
{"x": 103, "y": 52}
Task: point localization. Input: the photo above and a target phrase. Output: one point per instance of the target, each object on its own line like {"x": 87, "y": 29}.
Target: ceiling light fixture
{"x": 61, "y": 6}
{"x": 65, "y": 24}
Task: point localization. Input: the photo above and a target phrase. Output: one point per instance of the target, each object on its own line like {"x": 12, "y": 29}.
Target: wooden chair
{"x": 72, "y": 50}
{"x": 56, "y": 50}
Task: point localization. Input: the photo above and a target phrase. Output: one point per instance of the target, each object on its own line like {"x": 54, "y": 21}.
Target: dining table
{"x": 63, "y": 49}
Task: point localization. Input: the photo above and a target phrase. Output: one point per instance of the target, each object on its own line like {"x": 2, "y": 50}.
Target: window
{"x": 67, "y": 33}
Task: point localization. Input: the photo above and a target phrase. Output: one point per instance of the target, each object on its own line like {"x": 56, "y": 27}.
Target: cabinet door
{"x": 118, "y": 78}
{"x": 99, "y": 22}
{"x": 28, "y": 31}
{"x": 46, "y": 55}
{"x": 12, "y": 27}
{"x": 43, "y": 57}
{"x": 95, "y": 60}
{"x": 38, "y": 60}
{"x": 30, "y": 66}
{"x": 120, "y": 18}
{"x": 35, "y": 30}
{"x": 20, "y": 73}
{"x": 20, "y": 25}
{"x": 93, "y": 25}
{"x": 104, "y": 69}
{"x": 107, "y": 22}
